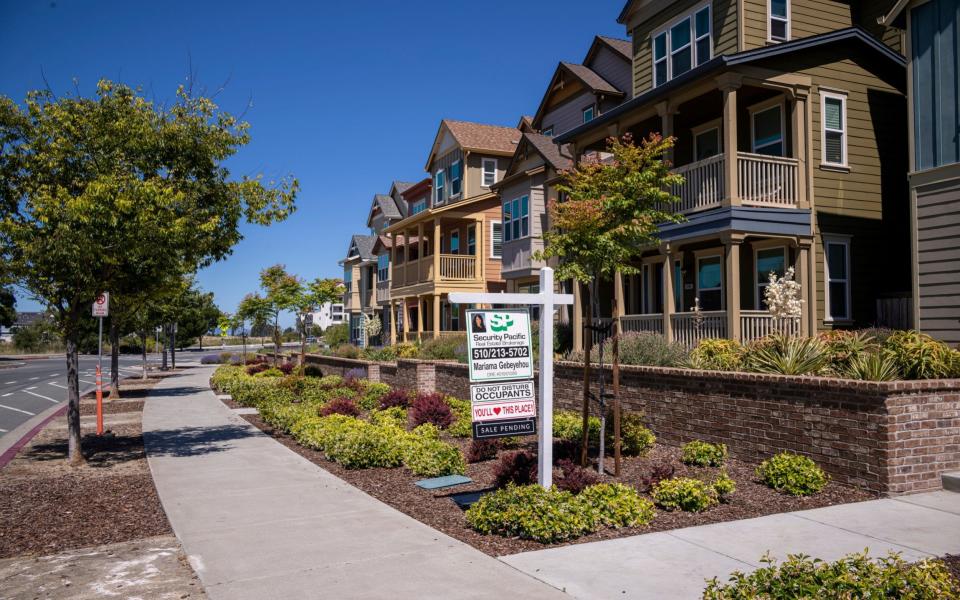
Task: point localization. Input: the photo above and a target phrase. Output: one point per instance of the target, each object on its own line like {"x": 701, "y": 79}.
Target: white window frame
{"x": 459, "y": 179}
{"x": 418, "y": 207}
{"x": 757, "y": 249}
{"x": 484, "y": 171}
{"x": 705, "y": 128}
{"x": 788, "y": 23}
{"x": 665, "y": 30}
{"x": 439, "y": 185}
{"x": 843, "y": 131}
{"x": 764, "y": 107}
{"x": 836, "y": 240}
{"x": 493, "y": 246}
{"x": 592, "y": 109}
{"x": 723, "y": 275}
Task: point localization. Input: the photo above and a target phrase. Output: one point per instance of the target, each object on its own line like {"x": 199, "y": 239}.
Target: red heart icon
{"x": 496, "y": 410}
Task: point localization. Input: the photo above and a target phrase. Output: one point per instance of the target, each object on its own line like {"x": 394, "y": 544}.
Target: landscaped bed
{"x": 281, "y": 411}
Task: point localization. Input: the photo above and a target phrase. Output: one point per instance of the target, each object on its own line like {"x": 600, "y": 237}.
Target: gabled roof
{"x": 526, "y": 123}
{"x": 591, "y": 79}
{"x": 631, "y": 4}
{"x": 383, "y": 242}
{"x": 622, "y": 47}
{"x": 401, "y": 186}
{"x": 362, "y": 246}
{"x": 557, "y": 156}
{"x": 477, "y": 137}
{"x": 890, "y": 19}
{"x": 850, "y": 34}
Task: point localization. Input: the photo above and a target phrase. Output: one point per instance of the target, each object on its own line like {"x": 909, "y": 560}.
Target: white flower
{"x": 782, "y": 296}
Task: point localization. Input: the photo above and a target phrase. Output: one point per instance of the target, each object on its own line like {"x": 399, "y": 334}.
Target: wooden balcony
{"x": 383, "y": 292}
{"x": 769, "y": 181}
{"x": 686, "y": 330}
{"x": 453, "y": 268}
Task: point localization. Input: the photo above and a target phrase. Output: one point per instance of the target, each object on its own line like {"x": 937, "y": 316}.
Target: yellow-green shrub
{"x": 717, "y": 354}
{"x": 365, "y": 445}
{"x": 568, "y": 425}
{"x": 684, "y": 493}
{"x": 704, "y": 454}
{"x": 635, "y": 438}
{"x": 429, "y": 457}
{"x": 533, "y": 513}
{"x": 616, "y": 505}
{"x": 792, "y": 474}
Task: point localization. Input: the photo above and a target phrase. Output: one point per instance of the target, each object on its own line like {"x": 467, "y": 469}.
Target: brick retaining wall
{"x": 892, "y": 438}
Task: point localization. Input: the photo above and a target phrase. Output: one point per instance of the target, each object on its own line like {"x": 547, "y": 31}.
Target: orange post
{"x": 99, "y": 403}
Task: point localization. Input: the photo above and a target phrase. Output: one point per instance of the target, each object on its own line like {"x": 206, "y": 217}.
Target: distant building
{"x": 23, "y": 320}
{"x": 329, "y": 314}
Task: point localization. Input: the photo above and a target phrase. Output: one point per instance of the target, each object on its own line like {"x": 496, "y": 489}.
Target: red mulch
{"x": 435, "y": 508}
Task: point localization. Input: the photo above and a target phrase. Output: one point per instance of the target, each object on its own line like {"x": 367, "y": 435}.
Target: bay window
{"x": 516, "y": 218}
{"x": 683, "y": 45}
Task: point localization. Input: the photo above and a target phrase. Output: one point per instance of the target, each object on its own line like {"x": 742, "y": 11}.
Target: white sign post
{"x": 548, "y": 301}
{"x": 101, "y": 309}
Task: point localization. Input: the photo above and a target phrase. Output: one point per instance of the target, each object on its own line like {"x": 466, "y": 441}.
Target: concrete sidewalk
{"x": 674, "y": 564}
{"x": 259, "y": 521}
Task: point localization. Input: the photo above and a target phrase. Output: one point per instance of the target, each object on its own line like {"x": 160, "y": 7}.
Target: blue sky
{"x": 346, "y": 96}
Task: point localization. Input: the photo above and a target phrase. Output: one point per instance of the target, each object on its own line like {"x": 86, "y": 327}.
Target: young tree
{"x": 256, "y": 309}
{"x": 8, "y": 308}
{"x": 614, "y": 208}
{"x": 282, "y": 291}
{"x": 312, "y": 296}
{"x": 89, "y": 181}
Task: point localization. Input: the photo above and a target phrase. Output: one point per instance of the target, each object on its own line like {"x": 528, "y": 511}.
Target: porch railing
{"x": 651, "y": 322}
{"x": 687, "y": 331}
{"x": 767, "y": 180}
{"x": 756, "y": 324}
{"x": 457, "y": 267}
{"x": 703, "y": 185}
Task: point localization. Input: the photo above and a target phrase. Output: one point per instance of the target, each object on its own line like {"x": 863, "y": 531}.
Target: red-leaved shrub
{"x": 657, "y": 474}
{"x": 481, "y": 450}
{"x": 340, "y": 406}
{"x": 518, "y": 467}
{"x": 395, "y": 397}
{"x": 257, "y": 368}
{"x": 574, "y": 478}
{"x": 430, "y": 408}
{"x": 565, "y": 450}
{"x": 286, "y": 368}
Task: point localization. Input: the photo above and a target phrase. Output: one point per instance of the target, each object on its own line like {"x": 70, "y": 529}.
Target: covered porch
{"x": 424, "y": 317}
{"x": 442, "y": 249}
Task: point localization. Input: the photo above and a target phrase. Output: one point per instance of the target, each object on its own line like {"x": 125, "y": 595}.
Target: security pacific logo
{"x": 499, "y": 322}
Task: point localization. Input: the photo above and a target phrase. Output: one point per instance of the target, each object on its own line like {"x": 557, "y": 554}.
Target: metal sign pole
{"x": 100, "y": 379}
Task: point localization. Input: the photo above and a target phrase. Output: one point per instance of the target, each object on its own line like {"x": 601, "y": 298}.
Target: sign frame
{"x": 469, "y": 313}
{"x": 105, "y": 310}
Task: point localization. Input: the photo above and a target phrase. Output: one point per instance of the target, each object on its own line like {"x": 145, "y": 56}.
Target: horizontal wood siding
{"x": 938, "y": 258}
{"x": 614, "y": 68}
{"x": 518, "y": 254}
{"x": 724, "y": 37}
{"x": 474, "y": 172}
{"x": 569, "y": 114}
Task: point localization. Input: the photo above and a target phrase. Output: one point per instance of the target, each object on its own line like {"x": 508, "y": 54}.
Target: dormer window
{"x": 418, "y": 207}
{"x": 548, "y": 131}
{"x": 588, "y": 114}
{"x": 682, "y": 45}
{"x": 438, "y": 181}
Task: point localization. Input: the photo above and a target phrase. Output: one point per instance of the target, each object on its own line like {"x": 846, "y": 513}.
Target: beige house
{"x": 789, "y": 132}
{"x": 451, "y": 238}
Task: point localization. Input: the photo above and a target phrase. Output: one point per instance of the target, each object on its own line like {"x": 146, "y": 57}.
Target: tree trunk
{"x": 303, "y": 348}
{"x": 74, "y": 451}
{"x": 173, "y": 347}
{"x": 276, "y": 339}
{"x": 588, "y": 347}
{"x": 114, "y": 360}
{"x": 615, "y": 369}
{"x": 143, "y": 345}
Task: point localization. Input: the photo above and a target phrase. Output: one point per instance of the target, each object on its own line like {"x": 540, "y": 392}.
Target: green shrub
{"x": 639, "y": 348}
{"x": 331, "y": 381}
{"x": 427, "y": 431}
{"x": 617, "y": 505}
{"x": 462, "y": 426}
{"x": 365, "y": 446}
{"x": 271, "y": 372}
{"x": 873, "y": 366}
{"x": 684, "y": 493}
{"x": 445, "y": 348}
{"x": 842, "y": 347}
{"x": 724, "y": 485}
{"x": 787, "y": 356}
{"x": 429, "y": 457}
{"x": 568, "y": 425}
{"x": 704, "y": 454}
{"x": 635, "y": 438}
{"x": 533, "y": 513}
{"x": 717, "y": 354}
{"x": 370, "y": 397}
{"x": 385, "y": 354}
{"x": 335, "y": 335}
{"x": 853, "y": 576}
{"x": 792, "y": 474}
{"x": 395, "y": 416}
{"x": 919, "y": 356}
{"x": 318, "y": 432}
{"x": 347, "y": 351}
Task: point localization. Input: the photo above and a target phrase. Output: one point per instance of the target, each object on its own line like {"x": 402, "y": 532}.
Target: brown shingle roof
{"x": 624, "y": 47}
{"x": 558, "y": 156}
{"x": 477, "y": 136}
{"x": 590, "y": 78}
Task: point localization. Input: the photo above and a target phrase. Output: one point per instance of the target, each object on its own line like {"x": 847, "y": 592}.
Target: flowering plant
{"x": 374, "y": 326}
{"x": 782, "y": 296}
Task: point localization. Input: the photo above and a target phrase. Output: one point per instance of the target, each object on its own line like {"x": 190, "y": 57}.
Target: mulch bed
{"x": 230, "y": 403}
{"x": 953, "y": 564}
{"x": 435, "y": 508}
{"x": 47, "y": 506}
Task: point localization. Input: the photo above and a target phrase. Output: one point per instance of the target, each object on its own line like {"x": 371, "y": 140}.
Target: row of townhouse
{"x": 795, "y": 140}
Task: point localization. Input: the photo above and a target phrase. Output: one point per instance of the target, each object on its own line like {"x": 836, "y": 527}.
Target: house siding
{"x": 443, "y": 163}
{"x": 813, "y": 17}
{"x": 518, "y": 254}
{"x": 724, "y": 13}
{"x": 568, "y": 114}
{"x": 938, "y": 255}
{"x": 614, "y": 68}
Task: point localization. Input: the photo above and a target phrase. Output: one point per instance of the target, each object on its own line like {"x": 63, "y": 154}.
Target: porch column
{"x": 803, "y": 251}
{"x": 798, "y": 116}
{"x": 436, "y": 249}
{"x": 668, "y": 298}
{"x": 436, "y": 316}
{"x": 618, "y": 292}
{"x": 419, "y": 318}
{"x": 577, "y": 316}
{"x": 420, "y": 276}
{"x": 732, "y": 286}
{"x": 729, "y": 84}
{"x": 479, "y": 266}
{"x": 393, "y": 323}
{"x": 666, "y": 112}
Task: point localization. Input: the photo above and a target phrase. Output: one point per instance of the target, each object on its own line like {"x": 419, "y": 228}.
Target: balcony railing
{"x": 652, "y": 323}
{"x": 755, "y": 324}
{"x": 457, "y": 267}
{"x": 703, "y": 185}
{"x": 688, "y": 331}
{"x": 453, "y": 267}
{"x": 770, "y": 181}
{"x": 767, "y": 180}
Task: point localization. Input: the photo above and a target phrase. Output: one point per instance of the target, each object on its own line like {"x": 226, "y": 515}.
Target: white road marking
{"x": 63, "y": 387}
{"x": 19, "y": 410}
{"x": 4, "y": 431}
{"x": 32, "y": 378}
{"x": 85, "y": 381}
{"x": 44, "y": 397}
{"x": 7, "y": 394}
{"x": 9, "y": 382}
{"x": 53, "y": 375}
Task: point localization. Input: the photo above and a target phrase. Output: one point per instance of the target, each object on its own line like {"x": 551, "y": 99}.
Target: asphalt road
{"x": 35, "y": 385}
